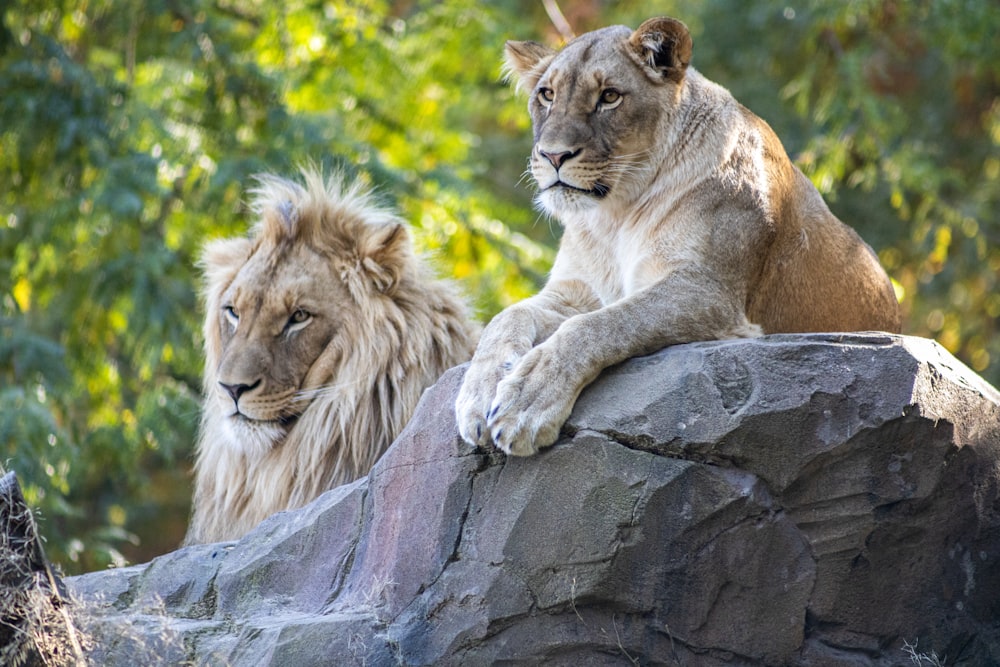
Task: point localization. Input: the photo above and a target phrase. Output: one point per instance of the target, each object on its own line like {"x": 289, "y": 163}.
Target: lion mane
{"x": 322, "y": 330}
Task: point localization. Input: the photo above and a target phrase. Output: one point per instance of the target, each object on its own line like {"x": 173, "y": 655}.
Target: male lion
{"x": 321, "y": 333}
{"x": 683, "y": 218}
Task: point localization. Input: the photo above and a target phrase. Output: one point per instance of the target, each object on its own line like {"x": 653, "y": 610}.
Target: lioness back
{"x": 820, "y": 275}
{"x": 683, "y": 218}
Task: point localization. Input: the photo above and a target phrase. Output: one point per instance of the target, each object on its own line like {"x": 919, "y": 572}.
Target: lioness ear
{"x": 383, "y": 256}
{"x": 524, "y": 62}
{"x": 664, "y": 45}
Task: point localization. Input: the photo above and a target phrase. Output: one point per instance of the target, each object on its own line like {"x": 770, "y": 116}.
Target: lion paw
{"x": 476, "y": 396}
{"x": 530, "y": 406}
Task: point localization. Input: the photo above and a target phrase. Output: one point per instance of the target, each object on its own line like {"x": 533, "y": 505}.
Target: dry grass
{"x": 920, "y": 659}
{"x": 41, "y": 625}
{"x": 35, "y": 623}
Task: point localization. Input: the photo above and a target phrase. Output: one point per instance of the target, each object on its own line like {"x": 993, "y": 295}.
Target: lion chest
{"x": 615, "y": 260}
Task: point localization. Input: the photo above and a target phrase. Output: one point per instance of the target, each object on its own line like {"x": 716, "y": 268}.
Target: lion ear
{"x": 383, "y": 256}
{"x": 222, "y": 259}
{"x": 524, "y": 63}
{"x": 664, "y": 45}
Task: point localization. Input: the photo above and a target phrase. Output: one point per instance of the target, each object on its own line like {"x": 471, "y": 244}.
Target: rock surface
{"x": 791, "y": 500}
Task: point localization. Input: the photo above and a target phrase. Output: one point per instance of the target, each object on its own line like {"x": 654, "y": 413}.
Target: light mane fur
{"x": 406, "y": 329}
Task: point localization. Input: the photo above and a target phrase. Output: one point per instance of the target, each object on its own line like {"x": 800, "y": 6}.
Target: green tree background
{"x": 129, "y": 130}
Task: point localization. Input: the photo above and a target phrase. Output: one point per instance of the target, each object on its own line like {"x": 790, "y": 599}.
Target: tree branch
{"x": 562, "y": 26}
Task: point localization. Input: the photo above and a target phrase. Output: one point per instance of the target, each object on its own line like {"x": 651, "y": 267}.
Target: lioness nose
{"x": 237, "y": 390}
{"x": 557, "y": 159}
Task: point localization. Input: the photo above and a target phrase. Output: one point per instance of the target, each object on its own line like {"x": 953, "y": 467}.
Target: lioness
{"x": 321, "y": 332}
{"x": 684, "y": 220}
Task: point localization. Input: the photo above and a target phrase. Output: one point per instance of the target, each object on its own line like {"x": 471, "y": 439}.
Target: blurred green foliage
{"x": 128, "y": 131}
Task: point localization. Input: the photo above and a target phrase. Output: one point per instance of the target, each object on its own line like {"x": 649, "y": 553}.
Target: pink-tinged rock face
{"x": 794, "y": 499}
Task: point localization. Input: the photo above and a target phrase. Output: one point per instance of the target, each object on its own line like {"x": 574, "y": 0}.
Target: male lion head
{"x": 595, "y": 106}
{"x": 322, "y": 330}
{"x": 284, "y": 307}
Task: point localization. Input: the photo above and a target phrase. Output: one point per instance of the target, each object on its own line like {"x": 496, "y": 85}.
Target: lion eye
{"x": 298, "y": 319}
{"x": 610, "y": 98}
{"x": 232, "y": 316}
{"x": 545, "y": 96}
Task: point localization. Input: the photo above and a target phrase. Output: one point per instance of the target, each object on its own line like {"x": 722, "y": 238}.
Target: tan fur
{"x": 684, "y": 220}
{"x": 335, "y": 330}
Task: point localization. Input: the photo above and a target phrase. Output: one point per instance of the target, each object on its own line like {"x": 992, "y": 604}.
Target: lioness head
{"x": 595, "y": 106}
{"x": 283, "y": 304}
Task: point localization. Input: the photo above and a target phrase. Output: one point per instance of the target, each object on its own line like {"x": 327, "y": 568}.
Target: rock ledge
{"x": 790, "y": 500}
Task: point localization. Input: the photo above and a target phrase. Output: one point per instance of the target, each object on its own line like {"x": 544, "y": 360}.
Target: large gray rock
{"x": 791, "y": 500}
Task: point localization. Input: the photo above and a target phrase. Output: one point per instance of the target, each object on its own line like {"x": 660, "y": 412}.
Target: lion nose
{"x": 557, "y": 159}
{"x": 237, "y": 390}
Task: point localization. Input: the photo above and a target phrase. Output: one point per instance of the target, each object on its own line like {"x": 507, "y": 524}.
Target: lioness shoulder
{"x": 684, "y": 220}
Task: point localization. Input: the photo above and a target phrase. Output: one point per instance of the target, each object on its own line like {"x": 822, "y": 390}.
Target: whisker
{"x": 525, "y": 175}
{"x": 308, "y": 395}
{"x": 640, "y": 154}
{"x": 628, "y": 164}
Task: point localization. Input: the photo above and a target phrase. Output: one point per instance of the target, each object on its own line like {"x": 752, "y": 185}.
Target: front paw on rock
{"x": 472, "y": 426}
{"x": 513, "y": 433}
{"x": 513, "y": 443}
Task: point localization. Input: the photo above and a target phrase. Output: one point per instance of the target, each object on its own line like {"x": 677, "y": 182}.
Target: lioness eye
{"x": 297, "y": 319}
{"x": 231, "y": 315}
{"x": 610, "y": 97}
{"x": 545, "y": 96}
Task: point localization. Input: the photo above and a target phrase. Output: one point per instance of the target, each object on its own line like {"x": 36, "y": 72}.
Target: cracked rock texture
{"x": 791, "y": 500}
